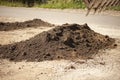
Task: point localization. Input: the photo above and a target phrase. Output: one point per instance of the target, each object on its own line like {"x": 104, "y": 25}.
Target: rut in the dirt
{"x": 20, "y": 25}
{"x": 62, "y": 42}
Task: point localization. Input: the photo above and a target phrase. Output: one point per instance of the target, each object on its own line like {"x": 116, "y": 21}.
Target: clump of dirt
{"x": 19, "y": 25}
{"x": 68, "y": 41}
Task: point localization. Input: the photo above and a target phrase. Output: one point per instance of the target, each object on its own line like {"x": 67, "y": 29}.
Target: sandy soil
{"x": 11, "y": 19}
{"x": 104, "y": 66}
{"x": 8, "y": 37}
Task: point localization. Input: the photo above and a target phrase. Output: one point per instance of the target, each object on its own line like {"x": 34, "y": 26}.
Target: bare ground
{"x": 104, "y": 66}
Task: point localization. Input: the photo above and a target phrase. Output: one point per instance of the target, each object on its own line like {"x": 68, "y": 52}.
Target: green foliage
{"x": 57, "y": 4}
{"x": 12, "y": 4}
{"x": 46, "y": 3}
{"x": 62, "y": 4}
{"x": 117, "y": 8}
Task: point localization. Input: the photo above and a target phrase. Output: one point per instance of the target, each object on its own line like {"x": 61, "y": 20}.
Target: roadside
{"x": 10, "y": 19}
{"x": 83, "y": 11}
{"x": 104, "y": 66}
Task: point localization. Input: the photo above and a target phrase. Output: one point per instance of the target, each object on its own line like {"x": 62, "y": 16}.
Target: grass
{"x": 63, "y": 5}
{"x": 11, "y": 4}
{"x": 56, "y": 4}
{"x": 114, "y": 8}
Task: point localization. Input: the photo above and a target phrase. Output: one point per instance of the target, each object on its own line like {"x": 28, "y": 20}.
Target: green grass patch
{"x": 117, "y": 8}
{"x": 11, "y": 4}
{"x": 53, "y": 4}
{"x": 62, "y": 4}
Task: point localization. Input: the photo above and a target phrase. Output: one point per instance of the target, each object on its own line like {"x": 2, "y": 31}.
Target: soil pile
{"x": 19, "y": 25}
{"x": 63, "y": 42}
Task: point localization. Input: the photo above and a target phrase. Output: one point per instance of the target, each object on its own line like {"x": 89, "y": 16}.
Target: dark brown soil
{"x": 63, "y": 42}
{"x": 19, "y": 25}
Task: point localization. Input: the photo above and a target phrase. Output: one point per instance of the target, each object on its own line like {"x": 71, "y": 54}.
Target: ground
{"x": 104, "y": 66}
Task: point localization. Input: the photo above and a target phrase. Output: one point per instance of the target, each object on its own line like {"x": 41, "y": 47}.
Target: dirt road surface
{"x": 104, "y": 66}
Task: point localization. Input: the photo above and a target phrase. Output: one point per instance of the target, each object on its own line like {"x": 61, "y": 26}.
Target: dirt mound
{"x": 63, "y": 42}
{"x": 19, "y": 25}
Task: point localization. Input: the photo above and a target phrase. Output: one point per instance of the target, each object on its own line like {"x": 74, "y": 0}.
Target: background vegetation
{"x": 63, "y": 4}
{"x": 59, "y": 4}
